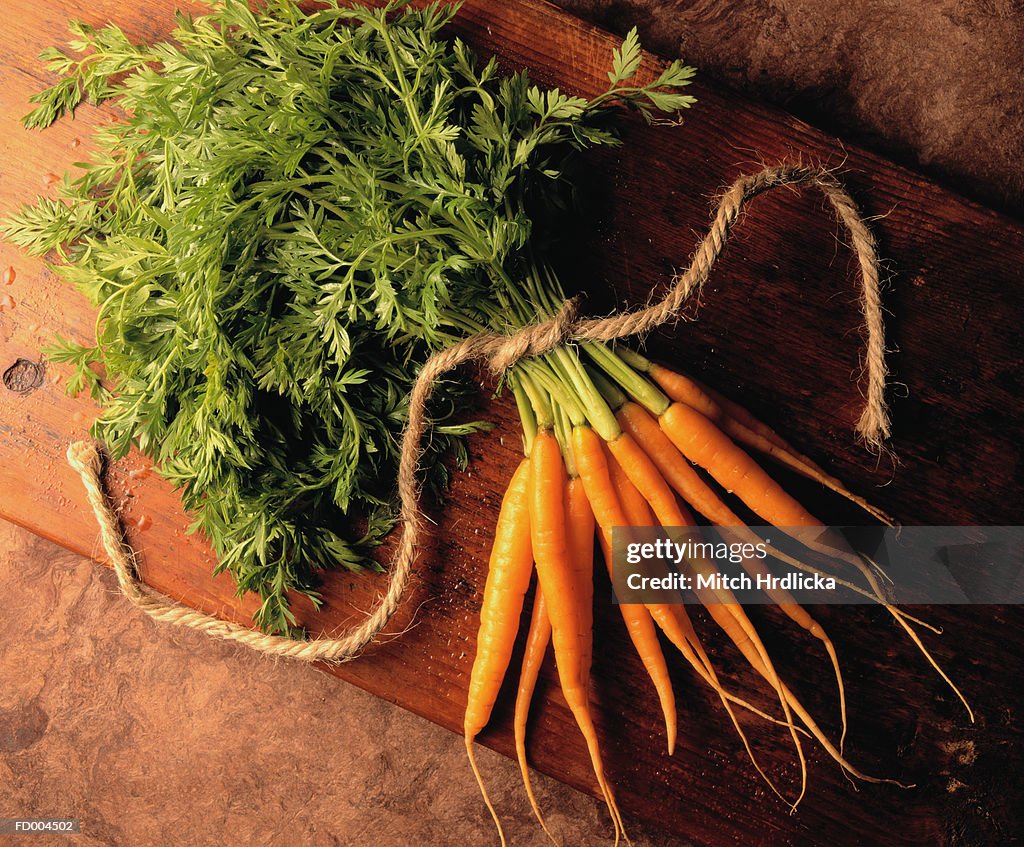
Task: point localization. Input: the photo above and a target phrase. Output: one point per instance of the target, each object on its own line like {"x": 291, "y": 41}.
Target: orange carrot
{"x": 580, "y": 525}
{"x": 553, "y": 507}
{"x": 721, "y": 605}
{"x": 746, "y": 429}
{"x": 642, "y": 632}
{"x": 642, "y": 426}
{"x": 678, "y": 472}
{"x": 594, "y": 467}
{"x": 674, "y": 621}
{"x": 638, "y": 622}
{"x": 704, "y": 444}
{"x": 508, "y": 577}
{"x": 732, "y": 417}
{"x": 533, "y": 657}
{"x": 684, "y": 390}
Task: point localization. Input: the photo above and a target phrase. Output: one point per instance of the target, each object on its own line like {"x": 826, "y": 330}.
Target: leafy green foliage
{"x": 293, "y": 213}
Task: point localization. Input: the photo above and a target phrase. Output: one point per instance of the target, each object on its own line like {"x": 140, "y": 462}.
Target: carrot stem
{"x": 540, "y": 403}
{"x": 526, "y": 414}
{"x": 596, "y": 409}
{"x": 635, "y": 384}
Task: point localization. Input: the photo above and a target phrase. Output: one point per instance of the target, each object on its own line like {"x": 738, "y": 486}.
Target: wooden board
{"x": 777, "y": 330}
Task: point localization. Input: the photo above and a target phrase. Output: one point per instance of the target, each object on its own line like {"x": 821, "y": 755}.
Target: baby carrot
{"x": 552, "y": 508}
{"x": 644, "y": 635}
{"x": 508, "y": 577}
{"x": 638, "y": 422}
{"x": 674, "y": 621}
{"x": 604, "y": 502}
{"x": 704, "y": 444}
{"x": 722, "y": 606}
{"x": 537, "y": 641}
{"x": 608, "y": 500}
{"x": 746, "y": 429}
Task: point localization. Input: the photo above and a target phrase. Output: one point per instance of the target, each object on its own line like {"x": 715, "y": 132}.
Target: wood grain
{"x": 777, "y": 330}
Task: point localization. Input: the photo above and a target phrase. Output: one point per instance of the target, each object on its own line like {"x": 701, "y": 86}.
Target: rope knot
{"x": 534, "y": 340}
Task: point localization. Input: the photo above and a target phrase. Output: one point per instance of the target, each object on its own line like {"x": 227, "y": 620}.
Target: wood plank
{"x": 777, "y": 330}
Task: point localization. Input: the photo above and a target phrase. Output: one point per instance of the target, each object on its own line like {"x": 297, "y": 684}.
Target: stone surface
{"x": 158, "y": 736}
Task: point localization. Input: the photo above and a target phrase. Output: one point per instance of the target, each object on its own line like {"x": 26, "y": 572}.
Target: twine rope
{"x": 501, "y": 352}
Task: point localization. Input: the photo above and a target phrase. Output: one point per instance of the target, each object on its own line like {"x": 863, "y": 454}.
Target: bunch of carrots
{"x": 612, "y": 439}
{"x": 400, "y": 218}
